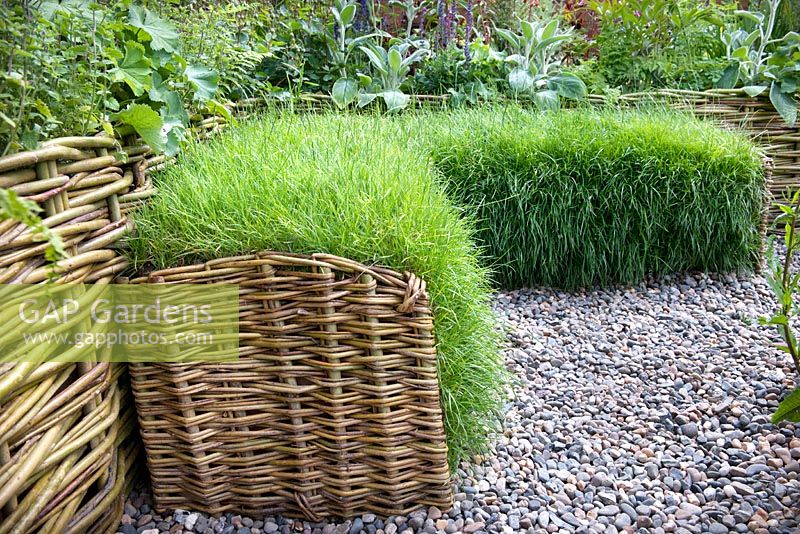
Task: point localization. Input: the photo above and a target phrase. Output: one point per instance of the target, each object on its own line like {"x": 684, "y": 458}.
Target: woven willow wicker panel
{"x": 331, "y": 410}
{"x": 82, "y": 187}
{"x": 756, "y": 116}
{"x": 66, "y": 457}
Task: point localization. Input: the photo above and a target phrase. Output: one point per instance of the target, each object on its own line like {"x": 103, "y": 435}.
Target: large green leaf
{"x": 159, "y": 91}
{"x": 784, "y": 103}
{"x": 365, "y": 99}
{"x": 345, "y": 92}
{"x": 567, "y": 85}
{"x": 789, "y": 408}
{"x": 163, "y": 35}
{"x": 135, "y": 70}
{"x": 754, "y": 90}
{"x": 395, "y": 100}
{"x": 729, "y": 77}
{"x": 173, "y": 112}
{"x": 376, "y": 60}
{"x": 205, "y": 81}
{"x": 520, "y": 80}
{"x": 174, "y": 119}
{"x": 510, "y": 37}
{"x": 756, "y": 18}
{"x": 147, "y": 123}
{"x": 547, "y": 100}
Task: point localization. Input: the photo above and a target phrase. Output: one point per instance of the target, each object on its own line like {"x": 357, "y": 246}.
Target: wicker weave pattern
{"x": 64, "y": 450}
{"x": 332, "y": 409}
{"x": 66, "y": 457}
{"x": 81, "y": 185}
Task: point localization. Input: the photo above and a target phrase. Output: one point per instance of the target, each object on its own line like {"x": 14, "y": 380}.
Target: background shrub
{"x": 585, "y": 196}
{"x": 354, "y": 186}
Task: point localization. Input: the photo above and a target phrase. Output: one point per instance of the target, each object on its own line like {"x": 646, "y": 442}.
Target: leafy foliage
{"x": 533, "y": 53}
{"x": 763, "y": 64}
{"x": 77, "y": 66}
{"x": 785, "y": 284}
{"x": 449, "y": 72}
{"x": 26, "y": 212}
{"x": 645, "y": 44}
{"x": 391, "y": 67}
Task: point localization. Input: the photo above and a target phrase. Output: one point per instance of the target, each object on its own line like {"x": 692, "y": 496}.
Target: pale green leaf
{"x": 567, "y": 85}
{"x": 147, "y": 123}
{"x": 729, "y": 78}
{"x": 395, "y": 100}
{"x": 784, "y": 103}
{"x": 520, "y": 80}
{"x": 395, "y": 59}
{"x": 754, "y": 90}
{"x": 344, "y": 92}
{"x": 547, "y": 100}
{"x": 204, "y": 80}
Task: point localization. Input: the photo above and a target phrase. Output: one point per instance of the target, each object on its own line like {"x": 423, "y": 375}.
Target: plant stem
{"x": 765, "y": 37}
{"x": 786, "y": 309}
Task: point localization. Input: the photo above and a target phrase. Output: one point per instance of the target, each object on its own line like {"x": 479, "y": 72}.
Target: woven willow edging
{"x": 85, "y": 190}
{"x": 756, "y": 116}
{"x": 66, "y": 458}
{"x": 331, "y": 410}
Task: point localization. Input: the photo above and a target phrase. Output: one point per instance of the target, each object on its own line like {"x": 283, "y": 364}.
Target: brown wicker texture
{"x": 756, "y": 116}
{"x": 66, "y": 457}
{"x": 331, "y": 410}
{"x": 85, "y": 191}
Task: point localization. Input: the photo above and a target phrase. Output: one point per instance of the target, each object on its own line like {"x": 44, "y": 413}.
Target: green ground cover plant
{"x": 355, "y": 186}
{"x": 591, "y": 196}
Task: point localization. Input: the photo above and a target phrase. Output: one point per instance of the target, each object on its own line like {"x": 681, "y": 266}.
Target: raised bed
{"x": 756, "y": 116}
{"x": 332, "y": 408}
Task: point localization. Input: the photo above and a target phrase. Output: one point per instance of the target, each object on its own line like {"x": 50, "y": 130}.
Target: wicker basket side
{"x": 331, "y": 410}
{"x": 77, "y": 182}
{"x": 64, "y": 433}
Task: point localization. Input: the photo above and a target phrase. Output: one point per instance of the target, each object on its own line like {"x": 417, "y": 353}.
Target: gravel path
{"x": 640, "y": 409}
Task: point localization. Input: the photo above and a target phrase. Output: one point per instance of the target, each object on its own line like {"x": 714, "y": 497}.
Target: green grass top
{"x": 353, "y": 186}
{"x": 592, "y": 196}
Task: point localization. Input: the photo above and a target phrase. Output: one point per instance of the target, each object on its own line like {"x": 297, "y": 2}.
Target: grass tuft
{"x": 590, "y": 196}
{"x": 354, "y": 186}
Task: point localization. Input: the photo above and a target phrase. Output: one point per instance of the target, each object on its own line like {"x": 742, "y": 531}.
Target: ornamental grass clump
{"x": 352, "y": 186}
{"x": 582, "y": 197}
